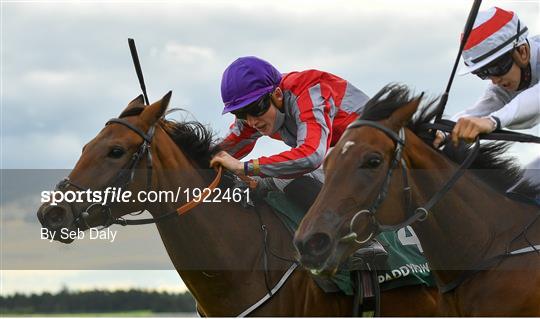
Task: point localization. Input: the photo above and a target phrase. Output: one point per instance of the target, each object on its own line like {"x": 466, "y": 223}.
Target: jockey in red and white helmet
{"x": 498, "y": 49}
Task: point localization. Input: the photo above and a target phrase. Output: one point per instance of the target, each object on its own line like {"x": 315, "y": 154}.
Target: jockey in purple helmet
{"x": 307, "y": 110}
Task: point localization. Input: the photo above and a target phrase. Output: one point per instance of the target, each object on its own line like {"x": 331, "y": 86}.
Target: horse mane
{"x": 491, "y": 164}
{"x": 192, "y": 137}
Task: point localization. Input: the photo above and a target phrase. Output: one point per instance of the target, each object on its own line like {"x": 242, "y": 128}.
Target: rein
{"x": 420, "y": 213}
{"x": 498, "y": 135}
{"x": 123, "y": 179}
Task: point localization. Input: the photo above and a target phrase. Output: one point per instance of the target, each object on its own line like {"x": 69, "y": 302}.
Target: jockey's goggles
{"x": 257, "y": 108}
{"x": 499, "y": 67}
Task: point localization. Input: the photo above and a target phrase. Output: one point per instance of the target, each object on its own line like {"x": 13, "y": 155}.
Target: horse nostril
{"x": 317, "y": 244}
{"x": 54, "y": 216}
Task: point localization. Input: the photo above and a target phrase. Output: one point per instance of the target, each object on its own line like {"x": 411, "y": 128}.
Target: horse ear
{"x": 401, "y": 116}
{"x": 136, "y": 102}
{"x": 155, "y": 111}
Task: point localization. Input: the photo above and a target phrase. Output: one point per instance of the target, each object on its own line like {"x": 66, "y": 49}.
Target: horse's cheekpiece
{"x": 472, "y": 238}
{"x": 420, "y": 213}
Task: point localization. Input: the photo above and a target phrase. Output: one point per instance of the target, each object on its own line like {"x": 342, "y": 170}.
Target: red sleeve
{"x": 240, "y": 140}
{"x": 313, "y": 140}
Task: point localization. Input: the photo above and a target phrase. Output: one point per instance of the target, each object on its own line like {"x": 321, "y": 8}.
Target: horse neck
{"x": 471, "y": 223}
{"x": 216, "y": 246}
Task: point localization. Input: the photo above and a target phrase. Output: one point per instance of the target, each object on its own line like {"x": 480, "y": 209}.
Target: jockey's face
{"x": 265, "y": 123}
{"x": 510, "y": 81}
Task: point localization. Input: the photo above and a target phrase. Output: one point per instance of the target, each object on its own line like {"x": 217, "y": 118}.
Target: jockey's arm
{"x": 523, "y": 111}
{"x": 493, "y": 99}
{"x": 313, "y": 141}
{"x": 240, "y": 140}
{"x": 495, "y": 109}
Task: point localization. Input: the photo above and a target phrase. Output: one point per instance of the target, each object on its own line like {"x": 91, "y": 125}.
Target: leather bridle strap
{"x": 393, "y": 135}
{"x": 146, "y": 137}
{"x": 460, "y": 171}
{"x": 207, "y": 191}
{"x": 145, "y": 148}
{"x": 420, "y": 213}
{"x": 399, "y": 139}
{"x": 179, "y": 211}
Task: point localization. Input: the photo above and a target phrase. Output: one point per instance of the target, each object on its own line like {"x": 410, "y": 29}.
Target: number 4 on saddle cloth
{"x": 406, "y": 266}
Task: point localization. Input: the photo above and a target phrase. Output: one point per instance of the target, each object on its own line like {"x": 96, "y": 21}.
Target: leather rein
{"x": 125, "y": 177}
{"x": 421, "y": 212}
{"x": 418, "y": 214}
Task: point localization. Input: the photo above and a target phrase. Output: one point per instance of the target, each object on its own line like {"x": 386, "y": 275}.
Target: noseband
{"x": 418, "y": 214}
{"x": 125, "y": 177}
{"x": 121, "y": 180}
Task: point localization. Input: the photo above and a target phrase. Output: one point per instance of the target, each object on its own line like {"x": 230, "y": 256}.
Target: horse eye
{"x": 373, "y": 161}
{"x": 116, "y": 152}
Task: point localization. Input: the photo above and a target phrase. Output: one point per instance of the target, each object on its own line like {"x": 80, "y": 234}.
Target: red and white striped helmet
{"x": 495, "y": 32}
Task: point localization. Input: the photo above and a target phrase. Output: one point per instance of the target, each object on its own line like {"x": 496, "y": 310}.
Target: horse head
{"x": 110, "y": 163}
{"x": 360, "y": 192}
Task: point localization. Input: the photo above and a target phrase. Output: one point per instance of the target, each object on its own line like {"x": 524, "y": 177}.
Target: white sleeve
{"x": 493, "y": 99}
{"x": 523, "y": 111}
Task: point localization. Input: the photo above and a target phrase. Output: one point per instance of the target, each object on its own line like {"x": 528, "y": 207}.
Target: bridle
{"x": 125, "y": 177}
{"x": 418, "y": 214}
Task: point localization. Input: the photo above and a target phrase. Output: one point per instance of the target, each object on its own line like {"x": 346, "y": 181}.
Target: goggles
{"x": 499, "y": 67}
{"x": 257, "y": 108}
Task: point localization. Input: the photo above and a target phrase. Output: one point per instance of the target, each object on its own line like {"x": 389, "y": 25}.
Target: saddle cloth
{"x": 407, "y": 265}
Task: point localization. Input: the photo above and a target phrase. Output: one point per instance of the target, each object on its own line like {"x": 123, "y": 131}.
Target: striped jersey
{"x": 317, "y": 107}
{"x": 515, "y": 110}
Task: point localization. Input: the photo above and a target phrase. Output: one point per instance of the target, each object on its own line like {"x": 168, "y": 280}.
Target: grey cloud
{"x": 67, "y": 67}
{"x": 66, "y": 70}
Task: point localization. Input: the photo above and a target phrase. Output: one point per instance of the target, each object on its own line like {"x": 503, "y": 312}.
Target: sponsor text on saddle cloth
{"x": 407, "y": 265}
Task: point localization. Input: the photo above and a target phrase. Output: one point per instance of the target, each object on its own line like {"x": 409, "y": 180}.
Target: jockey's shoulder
{"x": 300, "y": 81}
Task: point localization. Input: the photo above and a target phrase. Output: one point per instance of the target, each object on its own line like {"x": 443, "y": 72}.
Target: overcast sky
{"x": 66, "y": 67}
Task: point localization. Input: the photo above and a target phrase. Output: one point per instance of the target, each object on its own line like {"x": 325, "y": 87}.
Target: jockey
{"x": 498, "y": 49}
{"x": 307, "y": 110}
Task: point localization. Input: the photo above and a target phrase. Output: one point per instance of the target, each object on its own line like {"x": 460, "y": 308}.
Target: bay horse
{"x": 482, "y": 246}
{"x": 218, "y": 249}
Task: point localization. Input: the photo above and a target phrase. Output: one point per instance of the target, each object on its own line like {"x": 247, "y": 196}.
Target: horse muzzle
{"x": 55, "y": 218}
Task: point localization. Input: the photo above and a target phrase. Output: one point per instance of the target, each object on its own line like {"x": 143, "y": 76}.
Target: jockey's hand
{"x": 468, "y": 128}
{"x": 227, "y": 161}
{"x": 439, "y": 138}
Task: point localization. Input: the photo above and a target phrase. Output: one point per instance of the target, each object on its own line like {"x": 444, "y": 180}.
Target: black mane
{"x": 194, "y": 139}
{"x": 491, "y": 165}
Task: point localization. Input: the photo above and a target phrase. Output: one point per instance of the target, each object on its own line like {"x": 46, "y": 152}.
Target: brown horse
{"x": 481, "y": 245}
{"x": 218, "y": 249}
